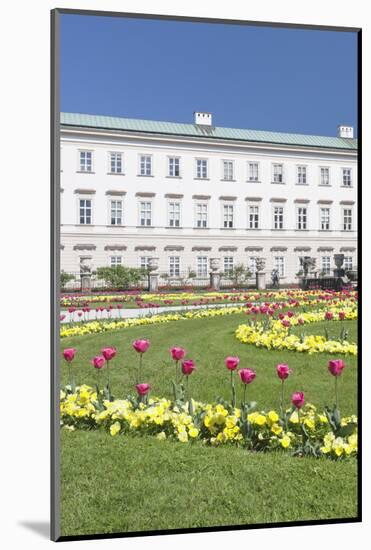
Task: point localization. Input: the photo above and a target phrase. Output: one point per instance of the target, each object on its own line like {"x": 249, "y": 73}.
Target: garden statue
{"x": 275, "y": 278}
{"x": 260, "y": 264}
{"x": 308, "y": 264}
{"x": 215, "y": 273}
{"x": 152, "y": 276}
{"x": 85, "y": 273}
{"x": 260, "y": 275}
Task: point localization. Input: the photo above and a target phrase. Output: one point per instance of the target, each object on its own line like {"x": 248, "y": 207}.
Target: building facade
{"x": 186, "y": 193}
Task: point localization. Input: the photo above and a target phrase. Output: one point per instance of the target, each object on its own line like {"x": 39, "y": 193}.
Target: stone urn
{"x": 214, "y": 264}
{"x": 152, "y": 264}
{"x": 215, "y": 273}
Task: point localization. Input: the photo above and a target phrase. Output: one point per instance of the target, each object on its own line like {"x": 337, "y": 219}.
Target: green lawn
{"x": 138, "y": 483}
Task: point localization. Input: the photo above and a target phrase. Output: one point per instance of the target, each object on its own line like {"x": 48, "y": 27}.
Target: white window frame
{"x": 115, "y": 263}
{"x": 110, "y": 171}
{"x": 252, "y": 223}
{"x": 143, "y": 200}
{"x": 110, "y": 201}
{"x": 274, "y": 206}
{"x": 251, "y": 264}
{"x": 347, "y": 225}
{"x": 225, "y": 172}
{"x": 147, "y": 156}
{"x": 280, "y": 266}
{"x": 79, "y": 169}
{"x": 202, "y": 214}
{"x": 202, "y": 266}
{"x": 348, "y": 264}
{"x": 143, "y": 262}
{"x": 228, "y": 215}
{"x": 301, "y": 218}
{"x": 329, "y": 218}
{"x": 174, "y": 263}
{"x": 274, "y": 164}
{"x": 301, "y": 174}
{"x": 173, "y": 158}
{"x": 326, "y": 265}
{"x": 250, "y": 177}
{"x": 172, "y": 221}
{"x": 228, "y": 260}
{"x": 350, "y": 184}
{"x": 201, "y": 177}
{"x": 85, "y": 198}
{"x": 328, "y": 176}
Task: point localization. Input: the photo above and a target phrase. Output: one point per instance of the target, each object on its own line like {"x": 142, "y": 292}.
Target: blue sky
{"x": 263, "y": 78}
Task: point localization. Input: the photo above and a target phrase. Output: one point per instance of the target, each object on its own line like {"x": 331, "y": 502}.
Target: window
{"x": 201, "y": 168}
{"x": 326, "y": 265}
{"x": 277, "y": 173}
{"x": 278, "y": 217}
{"x": 253, "y": 171}
{"x": 145, "y": 165}
{"x": 116, "y": 260}
{"x": 201, "y": 214}
{"x": 324, "y": 175}
{"x": 174, "y": 167}
{"x": 227, "y": 170}
{"x": 253, "y": 217}
{"x": 228, "y": 216}
{"x": 86, "y": 161}
{"x": 174, "y": 214}
{"x": 116, "y": 212}
{"x": 348, "y": 263}
{"x": 143, "y": 262}
{"x": 85, "y": 211}
{"x": 324, "y": 219}
{"x": 174, "y": 266}
{"x": 301, "y": 175}
{"x": 347, "y": 177}
{"x": 228, "y": 265}
{"x": 145, "y": 213}
{"x": 201, "y": 266}
{"x": 279, "y": 264}
{"x": 301, "y": 217}
{"x": 116, "y": 163}
{"x": 347, "y": 219}
{"x": 251, "y": 264}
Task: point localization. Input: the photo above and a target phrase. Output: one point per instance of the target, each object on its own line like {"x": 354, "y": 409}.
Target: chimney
{"x": 203, "y": 119}
{"x": 345, "y": 131}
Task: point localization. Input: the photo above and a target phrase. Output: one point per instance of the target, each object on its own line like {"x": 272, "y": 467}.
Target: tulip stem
{"x": 336, "y": 392}
{"x": 244, "y": 396}
{"x": 281, "y": 397}
{"x": 176, "y": 372}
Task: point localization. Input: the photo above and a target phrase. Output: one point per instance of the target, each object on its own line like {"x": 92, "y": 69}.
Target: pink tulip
{"x": 232, "y": 362}
{"x": 108, "y": 353}
{"x": 341, "y": 315}
{"x": 98, "y": 361}
{"x": 283, "y": 371}
{"x": 301, "y": 321}
{"x": 285, "y": 323}
{"x": 281, "y": 316}
{"x": 329, "y": 316}
{"x": 143, "y": 389}
{"x": 141, "y": 346}
{"x": 297, "y": 399}
{"x": 177, "y": 353}
{"x": 336, "y": 366}
{"x": 188, "y": 366}
{"x": 69, "y": 354}
{"x": 247, "y": 375}
{"x": 290, "y": 314}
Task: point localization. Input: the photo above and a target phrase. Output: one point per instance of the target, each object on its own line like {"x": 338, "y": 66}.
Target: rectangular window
{"x": 326, "y": 265}
{"x": 145, "y": 214}
{"x": 145, "y": 165}
{"x": 116, "y": 212}
{"x": 201, "y": 266}
{"x": 86, "y": 161}
{"x": 324, "y": 219}
{"x": 228, "y": 265}
{"x": 201, "y": 168}
{"x": 116, "y": 163}
{"x": 227, "y": 170}
{"x": 251, "y": 264}
{"x": 279, "y": 264}
{"x": 278, "y": 217}
{"x": 348, "y": 262}
{"x": 253, "y": 171}
{"x": 347, "y": 219}
{"x": 201, "y": 215}
{"x": 174, "y": 214}
{"x": 116, "y": 260}
{"x": 143, "y": 262}
{"x": 277, "y": 173}
{"x": 174, "y": 266}
{"x": 174, "y": 167}
{"x": 253, "y": 217}
{"x": 228, "y": 216}
{"x": 301, "y": 175}
{"x": 85, "y": 211}
{"x": 347, "y": 177}
{"x": 324, "y": 175}
{"x": 301, "y": 217}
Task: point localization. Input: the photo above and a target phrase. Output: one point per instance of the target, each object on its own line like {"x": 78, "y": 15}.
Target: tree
{"x": 239, "y": 274}
{"x": 119, "y": 276}
{"x": 66, "y": 278}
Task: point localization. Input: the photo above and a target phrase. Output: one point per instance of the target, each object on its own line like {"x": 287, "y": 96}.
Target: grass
{"x": 139, "y": 483}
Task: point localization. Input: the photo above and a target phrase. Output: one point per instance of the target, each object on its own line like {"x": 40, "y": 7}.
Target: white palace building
{"x": 186, "y": 193}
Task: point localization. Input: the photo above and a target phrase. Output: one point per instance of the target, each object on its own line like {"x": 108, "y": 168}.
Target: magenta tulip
{"x": 232, "y": 362}
{"x": 109, "y": 353}
{"x": 143, "y": 389}
{"x": 341, "y": 315}
{"x": 188, "y": 366}
{"x": 336, "y": 366}
{"x": 329, "y": 316}
{"x": 141, "y": 346}
{"x": 98, "y": 361}
{"x": 283, "y": 371}
{"x": 247, "y": 375}
{"x": 69, "y": 354}
{"x": 177, "y": 353}
{"x": 297, "y": 399}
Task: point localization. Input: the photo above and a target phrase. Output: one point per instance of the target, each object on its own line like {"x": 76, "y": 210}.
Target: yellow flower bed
{"x": 277, "y": 336}
{"x": 214, "y": 424}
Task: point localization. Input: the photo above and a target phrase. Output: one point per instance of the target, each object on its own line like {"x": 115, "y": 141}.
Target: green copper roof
{"x": 180, "y": 129}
